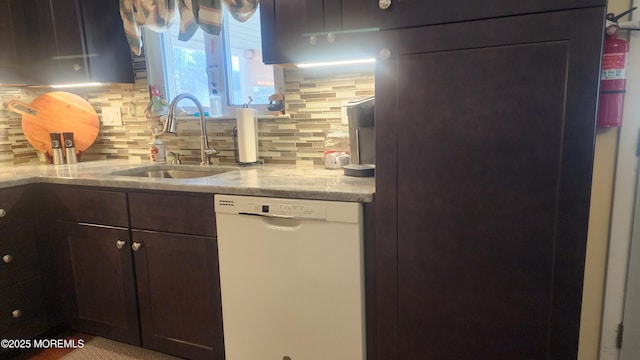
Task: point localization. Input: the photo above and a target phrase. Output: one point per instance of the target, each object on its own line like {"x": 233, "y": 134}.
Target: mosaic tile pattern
{"x": 313, "y": 100}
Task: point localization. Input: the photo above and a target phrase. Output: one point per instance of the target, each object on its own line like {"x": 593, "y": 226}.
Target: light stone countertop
{"x": 284, "y": 181}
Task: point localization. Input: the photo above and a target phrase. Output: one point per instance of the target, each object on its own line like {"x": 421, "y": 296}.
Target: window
{"x": 228, "y": 66}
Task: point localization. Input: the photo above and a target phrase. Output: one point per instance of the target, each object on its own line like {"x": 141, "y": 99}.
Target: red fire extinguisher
{"x": 613, "y": 79}
{"x": 612, "y": 82}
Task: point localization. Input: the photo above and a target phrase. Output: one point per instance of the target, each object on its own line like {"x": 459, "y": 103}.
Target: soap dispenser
{"x": 215, "y": 102}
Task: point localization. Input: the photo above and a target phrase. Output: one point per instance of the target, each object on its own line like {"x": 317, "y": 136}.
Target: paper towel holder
{"x": 236, "y": 152}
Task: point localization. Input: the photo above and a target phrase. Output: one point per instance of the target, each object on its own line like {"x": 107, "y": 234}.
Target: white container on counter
{"x": 158, "y": 151}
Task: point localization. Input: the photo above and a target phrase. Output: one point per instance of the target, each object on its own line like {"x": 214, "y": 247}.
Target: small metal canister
{"x": 56, "y": 147}
{"x": 70, "y": 148}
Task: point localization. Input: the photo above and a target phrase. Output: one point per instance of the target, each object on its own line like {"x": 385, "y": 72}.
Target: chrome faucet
{"x": 171, "y": 127}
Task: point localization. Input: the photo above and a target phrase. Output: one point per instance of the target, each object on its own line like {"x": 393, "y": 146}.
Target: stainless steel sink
{"x": 174, "y": 171}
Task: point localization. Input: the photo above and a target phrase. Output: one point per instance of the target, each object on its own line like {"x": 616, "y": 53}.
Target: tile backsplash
{"x": 313, "y": 100}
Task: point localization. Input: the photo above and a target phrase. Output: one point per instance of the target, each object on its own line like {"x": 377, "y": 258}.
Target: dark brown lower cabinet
{"x": 99, "y": 280}
{"x": 484, "y": 154}
{"x": 179, "y": 294}
{"x": 152, "y": 288}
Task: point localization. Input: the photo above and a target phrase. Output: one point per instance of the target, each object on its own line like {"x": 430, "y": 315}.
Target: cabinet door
{"x": 100, "y": 268}
{"x": 17, "y": 44}
{"x": 179, "y": 294}
{"x": 283, "y": 24}
{"x": 105, "y": 44}
{"x": 33, "y": 18}
{"x": 484, "y": 148}
{"x": 361, "y": 14}
{"x": 9, "y": 73}
{"x": 7, "y": 44}
{"x": 71, "y": 58}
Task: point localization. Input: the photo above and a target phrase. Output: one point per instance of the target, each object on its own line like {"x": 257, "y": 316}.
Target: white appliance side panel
{"x": 291, "y": 288}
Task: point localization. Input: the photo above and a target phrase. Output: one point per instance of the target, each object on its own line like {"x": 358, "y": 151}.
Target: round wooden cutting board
{"x": 57, "y": 112}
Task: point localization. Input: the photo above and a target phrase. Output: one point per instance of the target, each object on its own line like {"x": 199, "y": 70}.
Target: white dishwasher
{"x": 291, "y": 276}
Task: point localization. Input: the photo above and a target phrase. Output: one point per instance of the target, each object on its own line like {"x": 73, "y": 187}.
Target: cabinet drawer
{"x": 22, "y": 310}
{"x": 15, "y": 206}
{"x": 185, "y": 214}
{"x": 87, "y": 205}
{"x": 18, "y": 254}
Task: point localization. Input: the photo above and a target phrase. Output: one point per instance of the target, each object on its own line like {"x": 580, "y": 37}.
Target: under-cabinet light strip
{"x": 334, "y": 63}
{"x": 62, "y": 86}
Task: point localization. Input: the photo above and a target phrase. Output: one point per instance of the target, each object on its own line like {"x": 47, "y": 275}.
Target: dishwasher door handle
{"x": 282, "y": 223}
{"x": 269, "y": 216}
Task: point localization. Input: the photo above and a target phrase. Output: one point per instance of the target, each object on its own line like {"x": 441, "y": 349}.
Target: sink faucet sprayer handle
{"x": 176, "y": 158}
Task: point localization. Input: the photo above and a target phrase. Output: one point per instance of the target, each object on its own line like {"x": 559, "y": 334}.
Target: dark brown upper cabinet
{"x": 306, "y": 30}
{"x": 301, "y": 30}
{"x": 69, "y": 41}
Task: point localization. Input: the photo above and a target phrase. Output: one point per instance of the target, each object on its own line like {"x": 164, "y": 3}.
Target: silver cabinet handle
{"x": 384, "y": 54}
{"x": 120, "y": 244}
{"x": 331, "y": 37}
{"x": 7, "y": 258}
{"x": 77, "y": 67}
{"x": 16, "y": 313}
{"x": 313, "y": 40}
{"x": 136, "y": 246}
{"x": 3, "y": 212}
{"x": 384, "y": 4}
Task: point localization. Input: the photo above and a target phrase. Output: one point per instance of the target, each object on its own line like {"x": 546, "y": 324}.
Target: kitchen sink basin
{"x": 173, "y": 171}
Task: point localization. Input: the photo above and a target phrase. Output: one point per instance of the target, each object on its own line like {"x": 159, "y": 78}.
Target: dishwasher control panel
{"x": 298, "y": 209}
{"x": 345, "y": 212}
{"x": 283, "y": 210}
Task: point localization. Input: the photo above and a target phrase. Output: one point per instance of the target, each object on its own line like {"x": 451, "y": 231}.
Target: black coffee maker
{"x": 360, "y": 115}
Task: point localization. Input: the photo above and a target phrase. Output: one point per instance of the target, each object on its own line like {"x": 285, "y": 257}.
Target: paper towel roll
{"x": 247, "y": 135}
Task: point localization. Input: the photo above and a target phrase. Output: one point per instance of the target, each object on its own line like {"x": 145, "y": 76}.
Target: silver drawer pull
{"x": 7, "y": 258}
{"x": 136, "y": 246}
{"x": 120, "y": 244}
{"x": 16, "y": 313}
{"x": 384, "y": 4}
{"x": 3, "y": 212}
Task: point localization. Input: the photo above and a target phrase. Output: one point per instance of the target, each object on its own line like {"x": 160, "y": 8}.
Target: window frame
{"x": 159, "y": 74}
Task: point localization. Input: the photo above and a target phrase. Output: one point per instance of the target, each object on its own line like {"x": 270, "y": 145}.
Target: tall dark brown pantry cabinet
{"x": 484, "y": 151}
